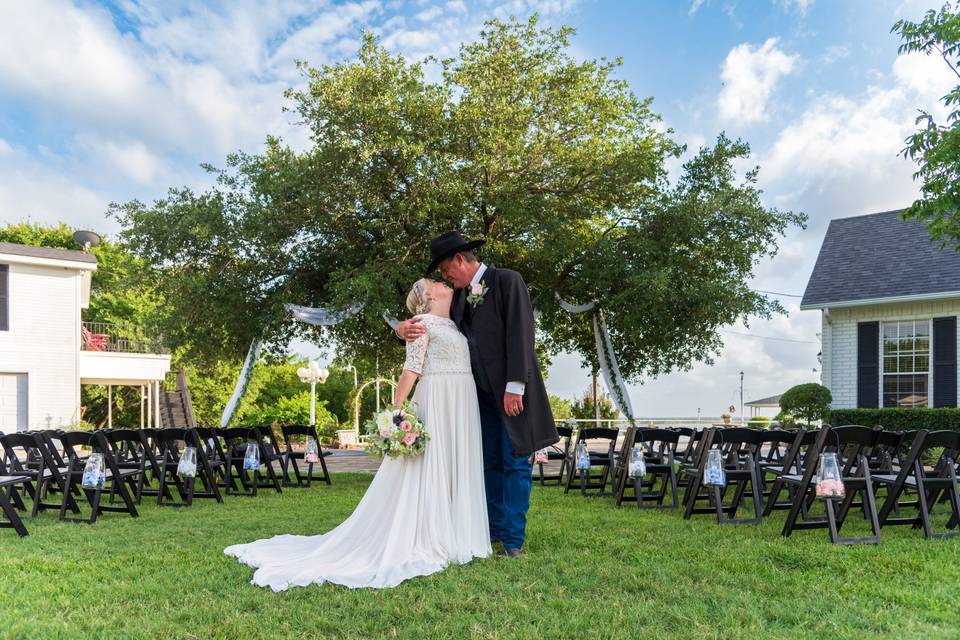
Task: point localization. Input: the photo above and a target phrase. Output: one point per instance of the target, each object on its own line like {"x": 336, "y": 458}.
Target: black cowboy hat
{"x": 446, "y": 245}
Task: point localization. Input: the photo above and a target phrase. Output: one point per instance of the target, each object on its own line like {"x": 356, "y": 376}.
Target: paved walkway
{"x": 355, "y": 461}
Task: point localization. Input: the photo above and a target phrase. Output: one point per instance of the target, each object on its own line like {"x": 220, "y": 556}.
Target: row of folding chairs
{"x": 46, "y": 468}
{"x": 773, "y": 470}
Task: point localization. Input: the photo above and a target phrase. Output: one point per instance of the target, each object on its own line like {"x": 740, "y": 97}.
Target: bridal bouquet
{"x": 396, "y": 432}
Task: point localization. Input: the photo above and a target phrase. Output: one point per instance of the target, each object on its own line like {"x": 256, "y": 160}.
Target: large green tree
{"x": 552, "y": 159}
{"x": 935, "y": 146}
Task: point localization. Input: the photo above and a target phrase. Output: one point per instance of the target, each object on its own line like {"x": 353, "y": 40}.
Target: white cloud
{"x": 750, "y": 75}
{"x": 801, "y": 6}
{"x": 695, "y": 6}
{"x": 841, "y": 156}
{"x": 5, "y": 148}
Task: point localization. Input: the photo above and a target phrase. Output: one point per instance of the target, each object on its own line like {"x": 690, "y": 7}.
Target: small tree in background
{"x": 810, "y": 401}
{"x": 583, "y": 406}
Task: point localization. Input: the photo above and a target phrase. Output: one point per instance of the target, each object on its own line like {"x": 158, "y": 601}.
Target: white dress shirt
{"x": 512, "y": 387}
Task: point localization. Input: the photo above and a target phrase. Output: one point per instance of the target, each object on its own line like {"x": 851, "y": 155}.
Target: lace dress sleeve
{"x": 416, "y": 354}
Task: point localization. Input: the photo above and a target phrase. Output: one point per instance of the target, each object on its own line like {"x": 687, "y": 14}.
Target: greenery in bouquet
{"x": 396, "y": 432}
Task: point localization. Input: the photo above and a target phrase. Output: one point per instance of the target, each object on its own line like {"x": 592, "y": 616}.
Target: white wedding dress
{"x": 419, "y": 514}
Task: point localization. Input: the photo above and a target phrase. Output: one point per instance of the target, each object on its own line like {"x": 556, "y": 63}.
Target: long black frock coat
{"x": 501, "y": 329}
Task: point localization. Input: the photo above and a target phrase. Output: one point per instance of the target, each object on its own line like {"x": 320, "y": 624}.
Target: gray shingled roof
{"x": 46, "y": 252}
{"x": 770, "y": 401}
{"x": 879, "y": 256}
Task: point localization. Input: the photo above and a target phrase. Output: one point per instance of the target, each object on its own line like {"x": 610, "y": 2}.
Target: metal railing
{"x": 623, "y": 423}
{"x": 116, "y": 338}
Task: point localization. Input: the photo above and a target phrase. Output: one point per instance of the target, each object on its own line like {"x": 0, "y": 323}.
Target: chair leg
{"x": 12, "y": 515}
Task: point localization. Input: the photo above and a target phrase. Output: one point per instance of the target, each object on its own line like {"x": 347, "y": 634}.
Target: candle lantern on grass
{"x": 93, "y": 472}
{"x": 311, "y": 453}
{"x": 251, "y": 460}
{"x": 714, "y": 475}
{"x": 187, "y": 467}
{"x": 829, "y": 481}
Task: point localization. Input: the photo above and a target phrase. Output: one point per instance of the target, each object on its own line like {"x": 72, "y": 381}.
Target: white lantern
{"x": 541, "y": 456}
{"x": 829, "y": 480}
{"x": 187, "y": 467}
{"x": 93, "y": 472}
{"x": 583, "y": 457}
{"x": 312, "y": 453}
{"x": 714, "y": 475}
{"x": 638, "y": 465}
{"x": 251, "y": 461}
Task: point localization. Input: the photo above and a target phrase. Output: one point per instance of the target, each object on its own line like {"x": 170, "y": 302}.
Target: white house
{"x": 889, "y": 300}
{"x": 47, "y": 351}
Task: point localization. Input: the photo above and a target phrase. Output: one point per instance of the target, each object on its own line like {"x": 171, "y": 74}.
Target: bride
{"x": 419, "y": 514}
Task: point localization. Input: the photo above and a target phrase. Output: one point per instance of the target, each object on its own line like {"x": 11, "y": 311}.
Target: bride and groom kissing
{"x": 480, "y": 394}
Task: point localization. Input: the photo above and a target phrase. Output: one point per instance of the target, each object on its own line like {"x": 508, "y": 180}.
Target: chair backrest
{"x": 778, "y": 442}
{"x": 850, "y": 442}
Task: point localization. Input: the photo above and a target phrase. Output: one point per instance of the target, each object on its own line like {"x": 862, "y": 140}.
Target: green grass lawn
{"x": 591, "y": 571}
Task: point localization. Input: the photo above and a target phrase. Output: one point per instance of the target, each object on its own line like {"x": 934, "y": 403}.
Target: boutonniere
{"x": 477, "y": 292}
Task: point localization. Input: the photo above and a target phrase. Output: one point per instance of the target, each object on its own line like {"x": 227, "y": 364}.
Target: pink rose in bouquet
{"x": 405, "y": 426}
{"x": 409, "y": 439}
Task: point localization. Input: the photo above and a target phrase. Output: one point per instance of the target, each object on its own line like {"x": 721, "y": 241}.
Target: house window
{"x": 906, "y": 363}
{"x": 4, "y": 297}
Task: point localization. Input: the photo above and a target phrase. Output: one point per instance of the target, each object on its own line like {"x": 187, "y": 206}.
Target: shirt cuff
{"x": 516, "y": 387}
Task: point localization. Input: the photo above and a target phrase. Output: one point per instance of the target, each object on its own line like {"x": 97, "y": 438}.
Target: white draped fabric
{"x": 419, "y": 514}
{"x": 609, "y": 366}
{"x": 252, "y": 354}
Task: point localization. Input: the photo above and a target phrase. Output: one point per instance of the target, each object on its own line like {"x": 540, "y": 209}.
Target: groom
{"x": 492, "y": 309}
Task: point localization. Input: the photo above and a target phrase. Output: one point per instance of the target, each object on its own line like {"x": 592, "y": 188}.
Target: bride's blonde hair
{"x": 417, "y": 301}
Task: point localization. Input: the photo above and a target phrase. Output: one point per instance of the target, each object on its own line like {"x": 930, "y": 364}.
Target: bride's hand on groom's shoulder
{"x": 411, "y": 329}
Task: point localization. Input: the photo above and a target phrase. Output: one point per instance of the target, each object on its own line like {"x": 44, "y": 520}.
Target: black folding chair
{"x": 41, "y": 470}
{"x": 602, "y": 459}
{"x": 113, "y": 481}
{"x": 658, "y": 447}
{"x": 236, "y": 440}
{"x": 559, "y": 451}
{"x": 737, "y": 446}
{"x": 170, "y": 441}
{"x": 928, "y": 485}
{"x": 293, "y": 432}
{"x": 10, "y": 499}
{"x": 856, "y": 479}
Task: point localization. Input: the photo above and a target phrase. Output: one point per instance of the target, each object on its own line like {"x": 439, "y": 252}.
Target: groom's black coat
{"x": 501, "y": 333}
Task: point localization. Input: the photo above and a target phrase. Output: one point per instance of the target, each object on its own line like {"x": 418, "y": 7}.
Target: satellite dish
{"x": 86, "y": 239}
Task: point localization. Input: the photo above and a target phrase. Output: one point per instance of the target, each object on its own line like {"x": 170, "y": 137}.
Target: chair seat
{"x": 886, "y": 478}
{"x": 7, "y": 480}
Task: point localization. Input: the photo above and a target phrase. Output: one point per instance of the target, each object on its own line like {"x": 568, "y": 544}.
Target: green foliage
{"x": 809, "y": 401}
{"x": 896, "y": 419}
{"x": 553, "y": 160}
{"x": 560, "y": 407}
{"x": 935, "y": 146}
{"x": 759, "y": 422}
{"x": 583, "y": 406}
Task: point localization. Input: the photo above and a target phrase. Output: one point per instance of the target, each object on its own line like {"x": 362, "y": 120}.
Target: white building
{"x": 889, "y": 300}
{"x": 47, "y": 351}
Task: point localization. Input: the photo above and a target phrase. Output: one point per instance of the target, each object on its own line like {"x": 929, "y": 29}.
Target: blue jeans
{"x": 508, "y": 479}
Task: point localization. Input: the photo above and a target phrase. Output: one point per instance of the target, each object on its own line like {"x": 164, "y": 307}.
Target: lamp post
{"x": 312, "y": 373}
{"x": 350, "y": 366}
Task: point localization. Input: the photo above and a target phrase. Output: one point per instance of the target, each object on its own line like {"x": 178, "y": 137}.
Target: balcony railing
{"x": 116, "y": 338}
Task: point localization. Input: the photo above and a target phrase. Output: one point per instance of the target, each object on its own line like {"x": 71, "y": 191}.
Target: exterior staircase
{"x": 176, "y": 410}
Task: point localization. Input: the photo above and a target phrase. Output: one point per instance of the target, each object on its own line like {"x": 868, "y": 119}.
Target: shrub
{"x": 759, "y": 422}
{"x": 947, "y": 418}
{"x": 810, "y": 401}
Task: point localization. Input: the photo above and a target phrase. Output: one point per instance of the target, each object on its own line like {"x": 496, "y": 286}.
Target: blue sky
{"x": 108, "y": 101}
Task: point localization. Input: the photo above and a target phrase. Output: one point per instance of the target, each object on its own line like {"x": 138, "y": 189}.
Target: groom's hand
{"x": 512, "y": 404}
{"x": 411, "y": 329}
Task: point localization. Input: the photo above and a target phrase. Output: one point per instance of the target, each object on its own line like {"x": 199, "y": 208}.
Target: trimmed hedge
{"x": 899, "y": 419}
